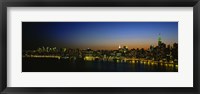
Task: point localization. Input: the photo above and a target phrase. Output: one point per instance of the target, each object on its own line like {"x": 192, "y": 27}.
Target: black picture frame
{"x": 98, "y": 3}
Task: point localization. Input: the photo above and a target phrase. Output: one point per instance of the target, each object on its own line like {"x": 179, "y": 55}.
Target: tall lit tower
{"x": 159, "y": 40}
{"x": 119, "y": 46}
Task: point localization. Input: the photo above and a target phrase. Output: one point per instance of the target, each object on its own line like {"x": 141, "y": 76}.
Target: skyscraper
{"x": 159, "y": 40}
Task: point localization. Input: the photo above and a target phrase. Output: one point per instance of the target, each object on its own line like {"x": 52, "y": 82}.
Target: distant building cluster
{"x": 161, "y": 53}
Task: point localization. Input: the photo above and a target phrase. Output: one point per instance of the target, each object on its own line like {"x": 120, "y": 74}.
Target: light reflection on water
{"x": 55, "y": 65}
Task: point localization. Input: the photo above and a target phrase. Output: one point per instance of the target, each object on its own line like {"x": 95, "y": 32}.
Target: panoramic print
{"x": 99, "y": 46}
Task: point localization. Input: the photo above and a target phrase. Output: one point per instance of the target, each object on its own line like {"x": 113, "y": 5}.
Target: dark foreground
{"x": 62, "y": 65}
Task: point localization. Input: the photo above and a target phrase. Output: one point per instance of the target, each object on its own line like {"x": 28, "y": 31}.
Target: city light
{"x": 152, "y": 56}
{"x": 100, "y": 46}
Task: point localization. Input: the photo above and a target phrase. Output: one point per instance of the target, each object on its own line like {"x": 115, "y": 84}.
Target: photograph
{"x": 100, "y": 46}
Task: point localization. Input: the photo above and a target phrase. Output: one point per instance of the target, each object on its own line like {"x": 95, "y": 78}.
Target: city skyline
{"x": 97, "y": 35}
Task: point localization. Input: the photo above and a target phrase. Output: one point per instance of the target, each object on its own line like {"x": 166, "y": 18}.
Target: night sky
{"x": 97, "y": 35}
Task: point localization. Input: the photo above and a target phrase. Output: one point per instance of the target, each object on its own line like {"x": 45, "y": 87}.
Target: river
{"x": 62, "y": 65}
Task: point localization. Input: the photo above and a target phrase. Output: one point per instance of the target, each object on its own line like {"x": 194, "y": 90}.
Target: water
{"x": 62, "y": 65}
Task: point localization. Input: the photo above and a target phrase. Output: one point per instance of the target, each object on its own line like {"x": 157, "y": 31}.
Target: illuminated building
{"x": 119, "y": 46}
{"x": 159, "y": 40}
